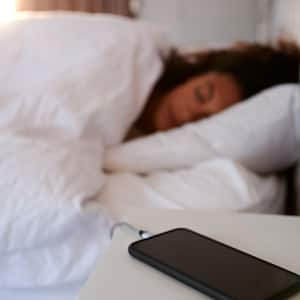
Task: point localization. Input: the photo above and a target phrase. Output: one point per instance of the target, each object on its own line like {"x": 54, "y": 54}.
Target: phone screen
{"x": 215, "y": 268}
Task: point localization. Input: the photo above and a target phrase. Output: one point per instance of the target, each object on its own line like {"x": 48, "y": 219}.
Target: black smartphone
{"x": 214, "y": 268}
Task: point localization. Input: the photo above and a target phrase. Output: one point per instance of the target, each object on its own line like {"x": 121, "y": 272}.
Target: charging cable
{"x": 143, "y": 234}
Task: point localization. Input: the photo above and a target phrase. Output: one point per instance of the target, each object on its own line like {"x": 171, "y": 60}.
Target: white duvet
{"x": 70, "y": 88}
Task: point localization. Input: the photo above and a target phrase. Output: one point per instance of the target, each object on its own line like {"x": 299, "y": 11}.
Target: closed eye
{"x": 204, "y": 94}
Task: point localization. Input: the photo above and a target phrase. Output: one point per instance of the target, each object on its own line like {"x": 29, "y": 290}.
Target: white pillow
{"x": 263, "y": 133}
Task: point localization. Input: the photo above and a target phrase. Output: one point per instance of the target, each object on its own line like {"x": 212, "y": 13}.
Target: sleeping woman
{"x": 196, "y": 86}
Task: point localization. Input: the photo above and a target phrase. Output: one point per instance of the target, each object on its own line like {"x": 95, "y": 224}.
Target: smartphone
{"x": 214, "y": 268}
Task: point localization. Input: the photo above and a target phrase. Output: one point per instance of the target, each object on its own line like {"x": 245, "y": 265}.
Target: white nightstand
{"x": 118, "y": 276}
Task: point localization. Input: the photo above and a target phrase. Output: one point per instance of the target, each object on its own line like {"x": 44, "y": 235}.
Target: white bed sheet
{"x": 70, "y": 292}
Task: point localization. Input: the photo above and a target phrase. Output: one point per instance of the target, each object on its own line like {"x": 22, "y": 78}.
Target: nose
{"x": 200, "y": 115}
{"x": 184, "y": 116}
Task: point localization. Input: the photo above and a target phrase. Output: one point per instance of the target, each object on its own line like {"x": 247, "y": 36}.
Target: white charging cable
{"x": 143, "y": 234}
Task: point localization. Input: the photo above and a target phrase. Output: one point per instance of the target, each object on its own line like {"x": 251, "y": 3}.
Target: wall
{"x": 204, "y": 22}
{"x": 286, "y": 20}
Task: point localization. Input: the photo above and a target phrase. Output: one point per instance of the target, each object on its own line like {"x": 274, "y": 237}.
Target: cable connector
{"x": 143, "y": 234}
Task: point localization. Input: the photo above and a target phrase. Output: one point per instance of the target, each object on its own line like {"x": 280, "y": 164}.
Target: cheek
{"x": 175, "y": 109}
{"x": 161, "y": 118}
{"x": 226, "y": 98}
{"x": 169, "y": 103}
{"x": 169, "y": 114}
{"x": 232, "y": 94}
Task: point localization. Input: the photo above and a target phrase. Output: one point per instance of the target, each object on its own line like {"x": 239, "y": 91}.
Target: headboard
{"x": 119, "y": 7}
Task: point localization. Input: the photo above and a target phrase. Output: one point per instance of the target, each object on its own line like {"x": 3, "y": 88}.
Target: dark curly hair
{"x": 254, "y": 66}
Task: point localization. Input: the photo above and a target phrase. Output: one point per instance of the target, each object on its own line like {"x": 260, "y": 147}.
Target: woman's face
{"x": 198, "y": 98}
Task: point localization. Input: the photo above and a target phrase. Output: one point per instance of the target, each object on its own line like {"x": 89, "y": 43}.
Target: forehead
{"x": 194, "y": 81}
{"x": 211, "y": 76}
{"x": 215, "y": 78}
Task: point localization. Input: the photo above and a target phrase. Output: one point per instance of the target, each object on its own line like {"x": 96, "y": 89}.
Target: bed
{"x": 67, "y": 175}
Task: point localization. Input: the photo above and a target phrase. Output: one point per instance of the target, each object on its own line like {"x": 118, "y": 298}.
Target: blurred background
{"x": 190, "y": 23}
